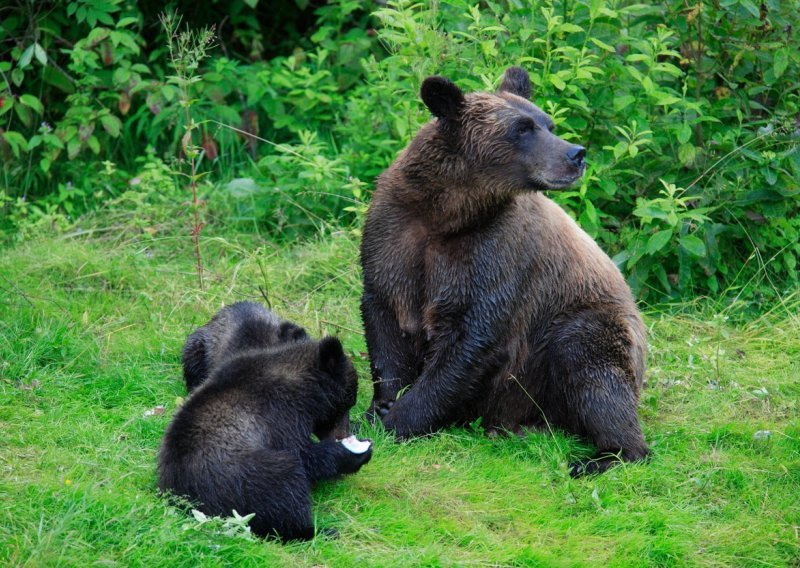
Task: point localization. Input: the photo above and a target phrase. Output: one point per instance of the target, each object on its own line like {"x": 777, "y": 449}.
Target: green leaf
{"x": 38, "y": 52}
{"x": 650, "y": 211}
{"x": 32, "y": 102}
{"x": 594, "y": 8}
{"x": 687, "y": 153}
{"x": 693, "y": 245}
{"x": 770, "y": 175}
{"x": 8, "y": 102}
{"x": 661, "y": 274}
{"x": 780, "y": 61}
{"x": 569, "y": 28}
{"x": 750, "y": 7}
{"x": 620, "y": 258}
{"x": 16, "y": 141}
{"x": 24, "y": 114}
{"x": 94, "y": 144}
{"x": 126, "y": 22}
{"x": 26, "y": 56}
{"x": 684, "y": 133}
{"x": 53, "y": 140}
{"x": 672, "y": 218}
{"x": 658, "y": 241}
{"x": 665, "y": 99}
{"x": 557, "y": 82}
{"x": 111, "y": 124}
{"x": 73, "y": 148}
{"x": 623, "y": 101}
{"x": 602, "y": 45}
{"x": 591, "y": 212}
{"x": 17, "y": 76}
{"x": 252, "y": 3}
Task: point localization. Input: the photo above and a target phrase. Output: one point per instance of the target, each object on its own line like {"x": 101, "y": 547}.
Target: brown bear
{"x": 260, "y": 388}
{"x": 482, "y": 297}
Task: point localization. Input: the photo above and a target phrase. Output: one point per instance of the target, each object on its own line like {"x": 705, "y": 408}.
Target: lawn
{"x": 91, "y": 327}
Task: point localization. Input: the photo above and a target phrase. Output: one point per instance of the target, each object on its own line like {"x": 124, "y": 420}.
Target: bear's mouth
{"x": 567, "y": 180}
{"x": 560, "y": 183}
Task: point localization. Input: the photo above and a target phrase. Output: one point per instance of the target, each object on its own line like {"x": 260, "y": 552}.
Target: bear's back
{"x": 568, "y": 260}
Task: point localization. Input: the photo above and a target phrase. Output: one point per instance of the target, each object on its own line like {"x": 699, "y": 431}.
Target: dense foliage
{"x": 690, "y": 113}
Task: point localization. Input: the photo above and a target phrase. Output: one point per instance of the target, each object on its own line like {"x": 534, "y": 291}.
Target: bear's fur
{"x": 483, "y": 296}
{"x": 240, "y": 326}
{"x": 243, "y": 438}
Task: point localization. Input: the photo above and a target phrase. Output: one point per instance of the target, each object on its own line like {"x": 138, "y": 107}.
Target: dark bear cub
{"x": 240, "y": 326}
{"x": 260, "y": 388}
{"x": 482, "y": 297}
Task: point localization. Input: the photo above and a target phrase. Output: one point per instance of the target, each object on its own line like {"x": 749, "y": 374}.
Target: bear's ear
{"x": 517, "y": 82}
{"x": 331, "y": 355}
{"x": 442, "y": 97}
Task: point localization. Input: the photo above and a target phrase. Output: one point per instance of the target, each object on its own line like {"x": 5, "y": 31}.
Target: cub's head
{"x": 503, "y": 135}
{"x": 337, "y": 375}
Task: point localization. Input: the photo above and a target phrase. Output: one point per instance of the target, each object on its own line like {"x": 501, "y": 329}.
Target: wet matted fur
{"x": 483, "y": 296}
{"x": 243, "y": 438}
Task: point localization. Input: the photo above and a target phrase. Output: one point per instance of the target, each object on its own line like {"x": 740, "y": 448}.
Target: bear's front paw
{"x": 394, "y": 422}
{"x": 602, "y": 461}
{"x": 379, "y": 410}
{"x": 359, "y": 452}
{"x": 384, "y": 408}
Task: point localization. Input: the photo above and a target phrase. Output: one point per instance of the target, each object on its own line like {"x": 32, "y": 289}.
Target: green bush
{"x": 690, "y": 114}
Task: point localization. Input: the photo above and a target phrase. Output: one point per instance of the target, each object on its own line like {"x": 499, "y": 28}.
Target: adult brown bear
{"x": 482, "y": 296}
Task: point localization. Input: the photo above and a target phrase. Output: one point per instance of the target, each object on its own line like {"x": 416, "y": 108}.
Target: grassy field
{"x": 90, "y": 336}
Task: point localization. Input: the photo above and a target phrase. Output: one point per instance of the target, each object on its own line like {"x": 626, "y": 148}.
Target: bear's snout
{"x": 575, "y": 155}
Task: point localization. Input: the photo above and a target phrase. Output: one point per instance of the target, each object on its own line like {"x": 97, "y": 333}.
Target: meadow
{"x": 91, "y": 326}
{"x": 137, "y": 147}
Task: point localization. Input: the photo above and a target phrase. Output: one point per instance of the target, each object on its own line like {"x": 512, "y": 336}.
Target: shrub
{"x": 690, "y": 113}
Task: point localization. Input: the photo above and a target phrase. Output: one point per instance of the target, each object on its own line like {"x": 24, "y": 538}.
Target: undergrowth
{"x": 690, "y": 113}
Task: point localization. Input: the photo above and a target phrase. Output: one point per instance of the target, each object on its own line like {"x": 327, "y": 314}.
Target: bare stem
{"x": 193, "y": 183}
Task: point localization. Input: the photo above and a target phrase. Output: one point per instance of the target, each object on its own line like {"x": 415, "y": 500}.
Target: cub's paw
{"x": 359, "y": 452}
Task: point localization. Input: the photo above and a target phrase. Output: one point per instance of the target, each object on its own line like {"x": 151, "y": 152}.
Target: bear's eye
{"x": 525, "y": 126}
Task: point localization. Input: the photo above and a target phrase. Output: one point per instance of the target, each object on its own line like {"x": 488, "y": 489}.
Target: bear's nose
{"x": 575, "y": 155}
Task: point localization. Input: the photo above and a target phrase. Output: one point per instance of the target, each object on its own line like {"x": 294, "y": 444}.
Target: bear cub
{"x": 482, "y": 297}
{"x": 259, "y": 389}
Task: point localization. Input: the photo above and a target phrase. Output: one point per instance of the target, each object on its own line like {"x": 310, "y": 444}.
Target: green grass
{"x": 90, "y": 338}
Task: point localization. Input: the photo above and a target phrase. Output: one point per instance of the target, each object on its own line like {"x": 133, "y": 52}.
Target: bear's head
{"x": 336, "y": 374}
{"x": 502, "y": 137}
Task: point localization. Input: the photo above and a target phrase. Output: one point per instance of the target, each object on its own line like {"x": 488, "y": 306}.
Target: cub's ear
{"x": 442, "y": 97}
{"x": 517, "y": 82}
{"x": 331, "y": 355}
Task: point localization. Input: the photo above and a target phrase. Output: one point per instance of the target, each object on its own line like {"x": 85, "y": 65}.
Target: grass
{"x": 90, "y": 334}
